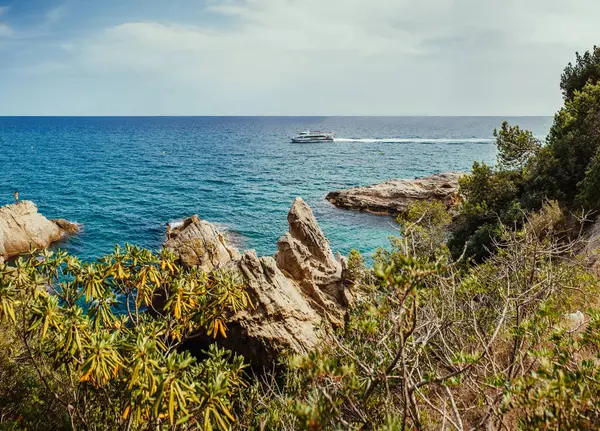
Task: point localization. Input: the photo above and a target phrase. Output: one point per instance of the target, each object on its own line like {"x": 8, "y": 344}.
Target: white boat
{"x": 313, "y": 136}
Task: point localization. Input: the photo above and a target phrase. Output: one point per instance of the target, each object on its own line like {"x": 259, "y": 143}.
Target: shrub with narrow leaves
{"x": 125, "y": 369}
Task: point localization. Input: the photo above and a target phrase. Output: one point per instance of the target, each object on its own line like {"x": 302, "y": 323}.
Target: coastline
{"x": 394, "y": 196}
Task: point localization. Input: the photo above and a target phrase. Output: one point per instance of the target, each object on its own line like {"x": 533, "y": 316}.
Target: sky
{"x": 289, "y": 57}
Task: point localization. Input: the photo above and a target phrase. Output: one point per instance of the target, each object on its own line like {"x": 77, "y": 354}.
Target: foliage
{"x": 572, "y": 144}
{"x": 566, "y": 169}
{"x": 515, "y": 146}
{"x": 490, "y": 201}
{"x": 432, "y": 346}
{"x": 563, "y": 391}
{"x": 428, "y": 343}
{"x": 356, "y": 266}
{"x": 82, "y": 361}
{"x": 426, "y": 224}
{"x": 586, "y": 69}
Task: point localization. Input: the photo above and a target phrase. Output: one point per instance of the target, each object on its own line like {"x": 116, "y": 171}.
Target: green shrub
{"x": 491, "y": 199}
{"x": 432, "y": 343}
{"x": 566, "y": 169}
{"x": 83, "y": 363}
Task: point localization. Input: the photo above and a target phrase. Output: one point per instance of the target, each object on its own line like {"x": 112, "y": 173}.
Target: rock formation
{"x": 298, "y": 295}
{"x": 23, "y": 228}
{"x": 198, "y": 243}
{"x": 394, "y": 196}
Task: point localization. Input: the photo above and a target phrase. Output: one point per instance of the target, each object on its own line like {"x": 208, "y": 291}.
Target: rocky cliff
{"x": 23, "y": 228}
{"x": 298, "y": 295}
{"x": 394, "y": 196}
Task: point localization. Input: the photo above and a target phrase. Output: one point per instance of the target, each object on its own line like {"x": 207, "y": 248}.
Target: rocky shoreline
{"x": 394, "y": 196}
{"x": 23, "y": 228}
{"x": 299, "y": 295}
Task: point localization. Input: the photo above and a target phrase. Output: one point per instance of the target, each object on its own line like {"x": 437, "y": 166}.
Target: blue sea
{"x": 124, "y": 178}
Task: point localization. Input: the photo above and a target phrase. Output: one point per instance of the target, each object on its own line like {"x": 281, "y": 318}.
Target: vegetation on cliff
{"x": 565, "y": 169}
{"x": 483, "y": 329}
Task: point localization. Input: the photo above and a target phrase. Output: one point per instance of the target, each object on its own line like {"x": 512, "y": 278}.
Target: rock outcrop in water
{"x": 299, "y": 295}
{"x": 23, "y": 228}
{"x": 394, "y": 196}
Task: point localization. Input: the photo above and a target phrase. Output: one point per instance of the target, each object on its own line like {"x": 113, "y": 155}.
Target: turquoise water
{"x": 124, "y": 178}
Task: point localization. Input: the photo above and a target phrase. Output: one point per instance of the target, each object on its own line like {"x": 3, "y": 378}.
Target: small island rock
{"x": 394, "y": 196}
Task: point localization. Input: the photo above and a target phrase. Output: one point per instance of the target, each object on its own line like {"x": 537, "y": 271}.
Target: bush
{"x": 80, "y": 361}
{"x": 491, "y": 199}
{"x": 563, "y": 390}
{"x": 566, "y": 169}
{"x": 433, "y": 343}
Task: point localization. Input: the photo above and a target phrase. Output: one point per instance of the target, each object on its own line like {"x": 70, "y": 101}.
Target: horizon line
{"x": 274, "y": 116}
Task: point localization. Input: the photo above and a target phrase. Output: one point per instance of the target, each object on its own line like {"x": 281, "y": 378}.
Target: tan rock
{"x": 305, "y": 255}
{"x": 198, "y": 243}
{"x": 394, "y": 196}
{"x": 66, "y": 226}
{"x": 23, "y": 228}
{"x": 298, "y": 296}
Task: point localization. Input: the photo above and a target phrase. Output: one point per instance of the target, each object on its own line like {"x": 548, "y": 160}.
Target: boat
{"x": 313, "y": 136}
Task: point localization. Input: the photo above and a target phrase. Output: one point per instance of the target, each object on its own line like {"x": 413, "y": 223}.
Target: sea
{"x": 124, "y": 178}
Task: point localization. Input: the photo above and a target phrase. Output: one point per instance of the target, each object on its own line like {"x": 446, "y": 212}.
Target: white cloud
{"x": 56, "y": 14}
{"x": 5, "y": 29}
{"x": 342, "y": 57}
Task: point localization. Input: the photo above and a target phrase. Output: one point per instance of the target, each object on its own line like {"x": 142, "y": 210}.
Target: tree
{"x": 572, "y": 144}
{"x": 585, "y": 70}
{"x": 491, "y": 199}
{"x": 515, "y": 146}
{"x": 566, "y": 169}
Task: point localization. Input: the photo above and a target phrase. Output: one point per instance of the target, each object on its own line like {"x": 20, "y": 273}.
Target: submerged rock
{"x": 23, "y": 228}
{"x": 298, "y": 295}
{"x": 394, "y": 196}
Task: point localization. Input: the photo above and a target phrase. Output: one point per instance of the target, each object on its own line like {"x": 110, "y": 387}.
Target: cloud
{"x": 5, "y": 29}
{"x": 56, "y": 14}
{"x": 337, "y": 57}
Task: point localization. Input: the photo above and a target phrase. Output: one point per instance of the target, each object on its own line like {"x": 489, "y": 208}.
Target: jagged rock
{"x": 394, "y": 196}
{"x": 66, "y": 226}
{"x": 23, "y": 228}
{"x": 305, "y": 255}
{"x": 198, "y": 243}
{"x": 298, "y": 295}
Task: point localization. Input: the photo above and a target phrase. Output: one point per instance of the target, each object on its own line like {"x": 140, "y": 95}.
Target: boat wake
{"x": 419, "y": 140}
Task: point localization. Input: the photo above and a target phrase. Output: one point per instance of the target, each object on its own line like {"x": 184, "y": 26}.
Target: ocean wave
{"x": 175, "y": 223}
{"x": 418, "y": 140}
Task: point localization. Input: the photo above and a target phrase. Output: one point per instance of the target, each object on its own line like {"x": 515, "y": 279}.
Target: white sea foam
{"x": 418, "y": 140}
{"x": 175, "y": 223}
